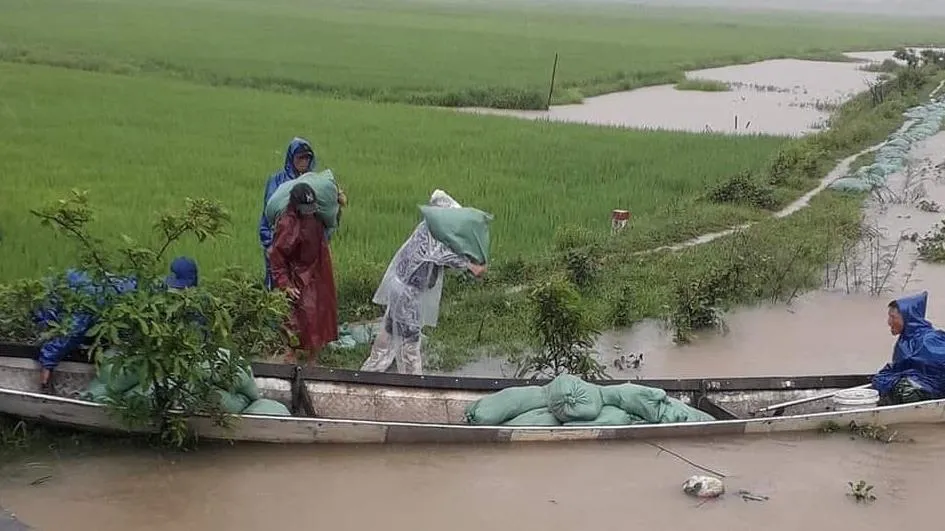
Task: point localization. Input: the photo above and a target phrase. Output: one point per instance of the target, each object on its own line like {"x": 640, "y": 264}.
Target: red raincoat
{"x": 300, "y": 258}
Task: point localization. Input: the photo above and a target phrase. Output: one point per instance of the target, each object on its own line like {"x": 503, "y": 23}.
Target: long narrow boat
{"x": 340, "y": 406}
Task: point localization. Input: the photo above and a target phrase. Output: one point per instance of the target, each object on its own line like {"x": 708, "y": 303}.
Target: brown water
{"x": 778, "y": 97}
{"x": 578, "y": 486}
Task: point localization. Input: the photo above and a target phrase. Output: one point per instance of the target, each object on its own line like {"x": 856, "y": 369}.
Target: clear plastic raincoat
{"x": 411, "y": 291}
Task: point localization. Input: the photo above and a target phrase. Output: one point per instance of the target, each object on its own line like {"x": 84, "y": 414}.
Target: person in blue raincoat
{"x": 299, "y": 159}
{"x": 55, "y": 349}
{"x": 917, "y": 369}
{"x": 183, "y": 275}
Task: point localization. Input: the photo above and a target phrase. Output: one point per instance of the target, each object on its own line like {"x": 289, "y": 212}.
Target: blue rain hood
{"x": 919, "y": 353}
{"x": 295, "y": 146}
{"x": 286, "y": 174}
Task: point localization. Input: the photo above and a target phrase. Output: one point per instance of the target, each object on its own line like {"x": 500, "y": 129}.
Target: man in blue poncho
{"x": 917, "y": 369}
{"x": 299, "y": 159}
{"x": 183, "y": 275}
{"x": 55, "y": 349}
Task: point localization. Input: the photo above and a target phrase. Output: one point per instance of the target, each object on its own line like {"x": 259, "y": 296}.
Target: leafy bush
{"x": 564, "y": 331}
{"x": 743, "y": 189}
{"x": 182, "y": 344}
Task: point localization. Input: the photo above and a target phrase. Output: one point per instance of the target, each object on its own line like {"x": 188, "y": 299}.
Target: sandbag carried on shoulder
{"x": 326, "y": 197}
{"x": 464, "y": 230}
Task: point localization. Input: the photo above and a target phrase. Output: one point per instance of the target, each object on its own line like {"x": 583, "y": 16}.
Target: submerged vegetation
{"x": 703, "y": 85}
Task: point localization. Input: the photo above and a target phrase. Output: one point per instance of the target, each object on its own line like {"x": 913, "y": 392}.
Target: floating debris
{"x": 704, "y": 487}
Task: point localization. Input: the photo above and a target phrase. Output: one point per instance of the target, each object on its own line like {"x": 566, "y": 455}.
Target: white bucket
{"x": 855, "y": 399}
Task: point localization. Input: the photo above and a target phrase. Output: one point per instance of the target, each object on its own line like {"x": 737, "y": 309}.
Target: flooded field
{"x": 606, "y": 486}
{"x": 777, "y": 97}
{"x": 839, "y": 329}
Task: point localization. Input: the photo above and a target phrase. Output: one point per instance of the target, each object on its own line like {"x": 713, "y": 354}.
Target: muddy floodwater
{"x": 779, "y": 97}
{"x": 601, "y": 486}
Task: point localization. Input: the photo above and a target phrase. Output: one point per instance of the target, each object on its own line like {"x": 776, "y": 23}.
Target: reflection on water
{"x": 560, "y": 486}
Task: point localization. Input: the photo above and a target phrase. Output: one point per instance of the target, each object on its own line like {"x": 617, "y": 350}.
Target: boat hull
{"x": 356, "y": 413}
{"x": 299, "y": 430}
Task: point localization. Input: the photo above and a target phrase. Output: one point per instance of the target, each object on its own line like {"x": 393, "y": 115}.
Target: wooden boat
{"x": 340, "y": 406}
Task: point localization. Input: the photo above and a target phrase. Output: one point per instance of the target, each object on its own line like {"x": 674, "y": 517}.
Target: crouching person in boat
{"x": 411, "y": 291}
{"x": 917, "y": 369}
{"x": 301, "y": 266}
{"x": 73, "y": 337}
{"x": 183, "y": 275}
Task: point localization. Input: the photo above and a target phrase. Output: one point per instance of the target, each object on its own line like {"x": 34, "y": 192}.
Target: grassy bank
{"x": 496, "y": 54}
{"x": 774, "y": 260}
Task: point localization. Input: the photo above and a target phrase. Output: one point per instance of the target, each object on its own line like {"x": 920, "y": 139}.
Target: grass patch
{"x": 703, "y": 85}
{"x": 142, "y": 146}
{"x": 496, "y": 54}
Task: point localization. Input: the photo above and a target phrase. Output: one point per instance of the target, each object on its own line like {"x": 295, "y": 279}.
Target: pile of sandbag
{"x": 243, "y": 397}
{"x": 326, "y": 198}
{"x": 926, "y": 120}
{"x": 569, "y": 401}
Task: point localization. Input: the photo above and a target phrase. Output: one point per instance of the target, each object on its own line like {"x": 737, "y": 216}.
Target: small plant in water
{"x": 861, "y": 491}
{"x": 932, "y": 245}
{"x": 564, "y": 331}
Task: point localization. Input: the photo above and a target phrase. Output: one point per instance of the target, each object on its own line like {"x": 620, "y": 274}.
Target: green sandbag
{"x": 232, "y": 402}
{"x": 675, "y": 411}
{"x": 498, "y": 408}
{"x": 119, "y": 381}
{"x": 246, "y": 385}
{"x": 609, "y": 416}
{"x": 264, "y": 406}
{"x": 326, "y": 197}
{"x": 571, "y": 398}
{"x": 95, "y": 392}
{"x": 644, "y": 402}
{"x": 536, "y": 417}
{"x": 136, "y": 391}
{"x": 464, "y": 230}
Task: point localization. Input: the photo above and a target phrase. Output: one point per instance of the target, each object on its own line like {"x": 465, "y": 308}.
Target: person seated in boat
{"x": 411, "y": 291}
{"x": 301, "y": 266}
{"x": 917, "y": 369}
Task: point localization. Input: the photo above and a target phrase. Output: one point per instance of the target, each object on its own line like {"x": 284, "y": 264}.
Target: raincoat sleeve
{"x": 265, "y": 231}
{"x": 442, "y": 255}
{"x": 283, "y": 245}
{"x": 55, "y": 349}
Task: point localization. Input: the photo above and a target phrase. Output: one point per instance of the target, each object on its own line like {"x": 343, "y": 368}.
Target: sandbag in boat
{"x": 326, "y": 197}
{"x": 464, "y": 230}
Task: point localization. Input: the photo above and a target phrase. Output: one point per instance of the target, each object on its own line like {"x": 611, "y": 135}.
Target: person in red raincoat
{"x": 301, "y": 266}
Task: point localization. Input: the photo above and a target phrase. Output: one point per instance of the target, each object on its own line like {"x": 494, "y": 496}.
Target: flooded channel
{"x": 778, "y": 97}
{"x": 607, "y": 486}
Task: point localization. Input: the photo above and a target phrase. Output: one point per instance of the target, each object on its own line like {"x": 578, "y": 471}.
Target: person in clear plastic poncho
{"x": 411, "y": 291}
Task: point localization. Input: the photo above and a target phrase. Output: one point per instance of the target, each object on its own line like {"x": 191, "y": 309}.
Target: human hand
{"x": 342, "y": 198}
{"x": 293, "y": 293}
{"x": 476, "y": 270}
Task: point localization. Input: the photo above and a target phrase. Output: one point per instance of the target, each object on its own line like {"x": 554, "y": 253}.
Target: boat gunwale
{"x": 437, "y": 382}
{"x": 928, "y": 404}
